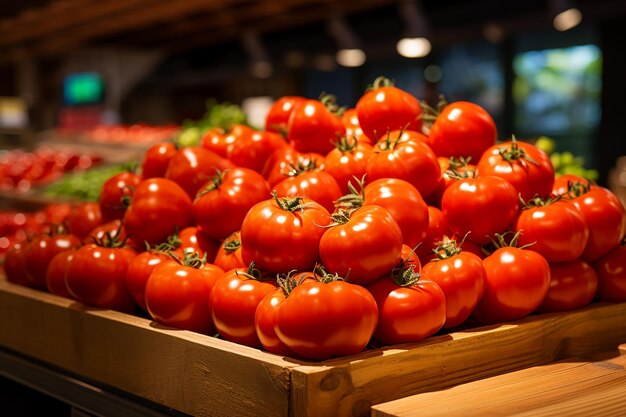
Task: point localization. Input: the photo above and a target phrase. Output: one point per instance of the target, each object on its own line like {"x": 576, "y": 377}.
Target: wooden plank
{"x": 569, "y": 388}
{"x": 350, "y": 386}
{"x": 192, "y": 373}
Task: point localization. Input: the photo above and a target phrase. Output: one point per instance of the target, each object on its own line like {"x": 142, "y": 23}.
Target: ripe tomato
{"x": 223, "y": 202}
{"x": 452, "y": 170}
{"x": 409, "y": 256}
{"x": 192, "y": 167}
{"x": 229, "y": 253}
{"x": 480, "y": 206}
{"x": 192, "y": 239}
{"x": 524, "y": 165}
{"x": 15, "y": 266}
{"x": 365, "y": 244}
{"x": 314, "y": 126}
{"x": 233, "y": 303}
{"x": 156, "y": 159}
{"x": 115, "y": 229}
{"x": 284, "y": 160}
{"x": 347, "y": 161}
{"x": 139, "y": 271}
{"x": 611, "y": 271}
{"x": 405, "y": 156}
{"x": 220, "y": 141}
{"x": 572, "y": 285}
{"x": 83, "y": 219}
{"x": 251, "y": 151}
{"x": 350, "y": 120}
{"x": 321, "y": 320}
{"x": 462, "y": 129}
{"x": 282, "y": 234}
{"x": 56, "y": 273}
{"x": 557, "y": 230}
{"x": 177, "y": 295}
{"x": 40, "y": 251}
{"x": 461, "y": 277}
{"x": 314, "y": 184}
{"x": 114, "y": 191}
{"x": 385, "y": 108}
{"x": 159, "y": 207}
{"x": 278, "y": 115}
{"x": 562, "y": 184}
{"x": 437, "y": 228}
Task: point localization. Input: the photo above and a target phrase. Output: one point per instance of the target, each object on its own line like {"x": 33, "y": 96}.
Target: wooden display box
{"x": 202, "y": 375}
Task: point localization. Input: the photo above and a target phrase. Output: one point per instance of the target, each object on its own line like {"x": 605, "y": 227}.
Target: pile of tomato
{"x": 333, "y": 228}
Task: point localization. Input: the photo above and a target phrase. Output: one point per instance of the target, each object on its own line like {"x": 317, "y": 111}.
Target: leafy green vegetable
{"x": 222, "y": 115}
{"x": 85, "y": 185}
{"x": 565, "y": 162}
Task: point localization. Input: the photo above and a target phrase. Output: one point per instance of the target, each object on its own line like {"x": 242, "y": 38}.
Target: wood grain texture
{"x": 568, "y": 388}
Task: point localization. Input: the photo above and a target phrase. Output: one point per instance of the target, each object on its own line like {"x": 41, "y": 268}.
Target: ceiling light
{"x": 566, "y": 15}
{"x": 415, "y": 44}
{"x": 413, "y": 47}
{"x": 349, "y": 54}
{"x": 350, "y": 57}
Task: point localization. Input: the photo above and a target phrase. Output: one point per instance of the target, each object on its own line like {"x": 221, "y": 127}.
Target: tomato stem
{"x": 290, "y": 204}
{"x": 251, "y": 273}
{"x": 330, "y": 102}
{"x": 447, "y": 248}
{"x": 356, "y": 198}
{"x": 213, "y": 183}
{"x": 515, "y": 153}
{"x": 232, "y": 243}
{"x": 347, "y": 144}
{"x": 288, "y": 282}
{"x": 459, "y": 168}
{"x": 323, "y": 276}
{"x": 404, "y": 274}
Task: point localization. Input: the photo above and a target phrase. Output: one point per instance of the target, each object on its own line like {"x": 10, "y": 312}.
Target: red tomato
{"x": 83, "y": 219}
{"x": 452, "y": 170}
{"x": 233, "y": 303}
{"x": 405, "y": 156}
{"x": 350, "y": 120}
{"x": 252, "y": 151}
{"x": 562, "y": 183}
{"x": 96, "y": 277}
{"x": 139, "y": 271}
{"x": 437, "y": 228}
{"x": 278, "y": 115}
{"x": 57, "y": 213}
{"x": 40, "y": 251}
{"x": 462, "y": 129}
{"x": 314, "y": 126}
{"x": 159, "y": 207}
{"x": 156, "y": 159}
{"x": 282, "y": 234}
{"x": 517, "y": 281}
{"x": 409, "y": 256}
{"x": 321, "y": 320}
{"x": 177, "y": 295}
{"x": 192, "y": 239}
{"x": 192, "y": 167}
{"x": 222, "y": 203}
{"x": 114, "y": 191}
{"x": 572, "y": 285}
{"x": 364, "y": 244}
{"x": 314, "y": 184}
{"x": 525, "y": 166}
{"x": 480, "y": 206}
{"x": 284, "y": 160}
{"x": 229, "y": 253}
{"x": 56, "y": 273}
{"x": 409, "y": 308}
{"x": 347, "y": 161}
{"x": 219, "y": 141}
{"x": 114, "y": 229}
{"x": 461, "y": 277}
{"x": 611, "y": 270}
{"x": 15, "y": 266}
{"x": 385, "y": 108}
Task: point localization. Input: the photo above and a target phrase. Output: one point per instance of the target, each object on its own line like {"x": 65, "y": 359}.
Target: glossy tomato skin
{"x": 193, "y": 240}
{"x": 317, "y": 185}
{"x": 350, "y": 120}
{"x": 221, "y": 142}
{"x": 438, "y": 227}
{"x": 15, "y": 267}
{"x": 222, "y": 203}
{"x": 480, "y": 206}
{"x": 572, "y": 285}
{"x": 192, "y": 167}
{"x": 278, "y": 240}
{"x": 462, "y": 129}
{"x": 159, "y": 206}
{"x": 446, "y": 180}
{"x": 282, "y": 161}
{"x": 346, "y": 164}
{"x": 409, "y": 256}
{"x": 314, "y": 128}
{"x": 178, "y": 296}
{"x": 364, "y": 248}
{"x": 96, "y": 277}
{"x": 139, "y": 271}
{"x": 517, "y": 281}
{"x": 384, "y": 109}
{"x": 529, "y": 178}
{"x": 557, "y": 231}
{"x": 462, "y": 279}
{"x": 251, "y": 151}
{"x": 56, "y": 273}
{"x": 278, "y": 115}
{"x": 40, "y": 251}
{"x": 562, "y": 183}
{"x": 233, "y": 303}
{"x": 320, "y": 321}
{"x": 156, "y": 160}
{"x": 83, "y": 218}
{"x": 229, "y": 253}
{"x": 113, "y": 190}
{"x": 611, "y": 272}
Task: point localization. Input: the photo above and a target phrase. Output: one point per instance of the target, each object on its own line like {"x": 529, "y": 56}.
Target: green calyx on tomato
{"x": 515, "y": 153}
{"x": 500, "y": 241}
{"x": 213, "y": 183}
{"x": 111, "y": 239}
{"x": 288, "y": 281}
{"x": 537, "y": 201}
{"x": 347, "y": 144}
{"x": 356, "y": 198}
{"x": 323, "y": 276}
{"x": 458, "y": 168}
{"x": 232, "y": 244}
{"x": 190, "y": 259}
{"x": 251, "y": 272}
{"x": 301, "y": 166}
{"x": 404, "y": 274}
{"x": 429, "y": 113}
{"x": 330, "y": 102}
{"x": 447, "y": 248}
{"x": 576, "y": 189}
{"x": 290, "y": 204}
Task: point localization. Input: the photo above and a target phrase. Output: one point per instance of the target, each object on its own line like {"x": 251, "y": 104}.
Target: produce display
{"x": 325, "y": 234}
{"x": 136, "y": 134}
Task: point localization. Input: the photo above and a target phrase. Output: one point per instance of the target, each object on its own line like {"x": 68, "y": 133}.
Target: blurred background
{"x": 118, "y": 69}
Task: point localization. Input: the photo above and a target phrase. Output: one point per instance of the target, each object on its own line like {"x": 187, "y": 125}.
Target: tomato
{"x": 525, "y": 166}
{"x": 192, "y": 167}
{"x": 452, "y": 170}
{"x": 156, "y": 159}
{"x": 385, "y": 108}
{"x": 115, "y": 229}
{"x": 611, "y": 271}
{"x": 347, "y": 161}
{"x": 233, "y": 303}
{"x": 178, "y": 295}
{"x": 56, "y": 273}
{"x": 409, "y": 256}
{"x": 517, "y": 281}
{"x": 312, "y": 183}
{"x": 229, "y": 253}
{"x": 252, "y": 151}
{"x": 159, "y": 207}
{"x": 562, "y": 184}
{"x": 462, "y": 129}
{"x": 314, "y": 126}
{"x": 480, "y": 206}
{"x": 572, "y": 285}
{"x": 350, "y": 120}
{"x": 437, "y": 228}
{"x": 57, "y": 213}
{"x": 83, "y": 219}
{"x": 284, "y": 160}
{"x": 410, "y": 308}
{"x": 365, "y": 244}
{"x": 220, "y": 141}
{"x": 139, "y": 270}
{"x": 40, "y": 251}
{"x": 278, "y": 115}
{"x": 461, "y": 277}
{"x": 96, "y": 276}
{"x": 405, "y": 156}
{"x": 222, "y": 203}
{"x": 15, "y": 266}
{"x": 321, "y": 320}
{"x": 114, "y": 191}
{"x": 282, "y": 234}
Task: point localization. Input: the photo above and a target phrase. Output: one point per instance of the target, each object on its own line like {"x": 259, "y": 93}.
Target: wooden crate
{"x": 201, "y": 375}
